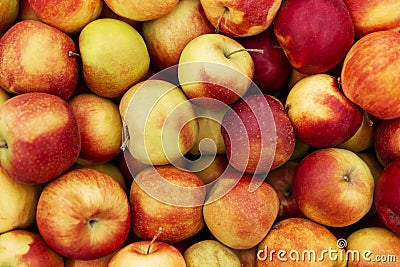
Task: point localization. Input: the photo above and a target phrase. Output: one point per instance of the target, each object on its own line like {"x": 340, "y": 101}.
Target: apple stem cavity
{"x": 220, "y": 19}
{"x": 73, "y": 54}
{"x": 154, "y": 239}
{"x": 3, "y": 143}
{"x": 346, "y": 178}
{"x": 261, "y": 51}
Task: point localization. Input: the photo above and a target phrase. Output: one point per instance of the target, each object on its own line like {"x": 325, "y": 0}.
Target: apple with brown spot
{"x": 36, "y": 57}
{"x": 387, "y": 141}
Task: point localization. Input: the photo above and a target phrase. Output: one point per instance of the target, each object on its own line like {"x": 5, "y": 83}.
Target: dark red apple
{"x": 387, "y": 141}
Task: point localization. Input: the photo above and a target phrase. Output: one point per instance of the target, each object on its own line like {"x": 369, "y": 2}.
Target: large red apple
{"x": 35, "y": 57}
{"x": 387, "y": 140}
{"x": 83, "y": 214}
{"x": 387, "y": 196}
{"x": 39, "y": 137}
{"x": 370, "y": 77}
{"x": 315, "y": 34}
{"x": 333, "y": 187}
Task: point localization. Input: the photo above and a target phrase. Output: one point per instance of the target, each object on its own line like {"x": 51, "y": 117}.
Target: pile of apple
{"x": 199, "y": 132}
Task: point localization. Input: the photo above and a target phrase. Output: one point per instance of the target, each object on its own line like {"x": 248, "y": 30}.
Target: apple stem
{"x": 73, "y": 54}
{"x": 3, "y": 144}
{"x": 125, "y": 135}
{"x": 219, "y": 20}
{"x": 154, "y": 239}
{"x": 261, "y": 51}
{"x": 277, "y": 47}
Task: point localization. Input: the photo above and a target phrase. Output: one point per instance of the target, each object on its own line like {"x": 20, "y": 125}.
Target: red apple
{"x": 241, "y": 18}
{"x": 333, "y": 187}
{"x": 374, "y": 56}
{"x": 25, "y": 248}
{"x": 387, "y": 196}
{"x": 36, "y": 57}
{"x": 315, "y": 34}
{"x": 258, "y": 134}
{"x": 321, "y": 115}
{"x": 99, "y": 262}
{"x": 83, "y": 214}
{"x": 39, "y": 137}
{"x": 387, "y": 141}
{"x": 271, "y": 68}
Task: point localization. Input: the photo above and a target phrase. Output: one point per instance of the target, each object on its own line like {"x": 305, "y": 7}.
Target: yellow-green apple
{"x": 202, "y": 63}
{"x": 65, "y": 15}
{"x": 241, "y": 18}
{"x": 315, "y": 34}
{"x": 387, "y": 196}
{"x": 281, "y": 180}
{"x": 374, "y": 15}
{"x": 211, "y": 172}
{"x": 374, "y": 56}
{"x": 333, "y": 187}
{"x": 18, "y": 203}
{"x": 8, "y": 14}
{"x": 364, "y": 136}
{"x": 160, "y": 121}
{"x": 237, "y": 217}
{"x": 3, "y": 96}
{"x": 299, "y": 242}
{"x": 39, "y": 137}
{"x": 387, "y": 140}
{"x": 26, "y": 12}
{"x": 114, "y": 56}
{"x": 168, "y": 35}
{"x": 300, "y": 149}
{"x": 100, "y": 128}
{"x": 373, "y": 246}
{"x": 36, "y": 57}
{"x": 210, "y": 253}
{"x": 25, "y": 248}
{"x": 83, "y": 214}
{"x": 271, "y": 68}
{"x": 148, "y": 253}
{"x": 167, "y": 197}
{"x": 106, "y": 12}
{"x": 99, "y": 262}
{"x": 258, "y": 134}
{"x": 141, "y": 11}
{"x": 294, "y": 77}
{"x": 321, "y": 115}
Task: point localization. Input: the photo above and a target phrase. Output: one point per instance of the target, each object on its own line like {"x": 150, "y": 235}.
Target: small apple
{"x": 315, "y": 34}
{"x": 218, "y": 164}
{"x": 387, "y": 196}
{"x": 374, "y": 56}
{"x": 83, "y": 214}
{"x": 3, "y": 96}
{"x": 241, "y": 18}
{"x": 114, "y": 56}
{"x": 100, "y": 128}
{"x": 26, "y": 12}
{"x": 324, "y": 118}
{"x": 300, "y": 150}
{"x": 247, "y": 257}
{"x": 36, "y": 57}
{"x": 8, "y": 14}
{"x": 39, "y": 137}
{"x": 294, "y": 77}
{"x": 106, "y": 12}
{"x": 387, "y": 141}
{"x": 67, "y": 16}
{"x": 25, "y": 248}
{"x": 333, "y": 187}
{"x": 129, "y": 166}
{"x": 148, "y": 253}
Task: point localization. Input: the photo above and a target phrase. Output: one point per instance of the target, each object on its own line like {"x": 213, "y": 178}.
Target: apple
{"x": 281, "y": 180}
{"x": 3, "y": 96}
{"x": 374, "y": 56}
{"x": 374, "y": 15}
{"x": 300, "y": 150}
{"x": 387, "y": 196}
{"x": 99, "y": 262}
{"x": 83, "y": 214}
{"x": 168, "y": 35}
{"x": 114, "y": 56}
{"x": 300, "y": 242}
{"x": 148, "y": 253}
{"x": 247, "y": 257}
{"x": 26, "y": 12}
{"x": 325, "y": 118}
{"x": 333, "y": 187}
{"x": 202, "y": 63}
{"x": 258, "y": 134}
{"x": 387, "y": 140}
{"x": 18, "y": 203}
{"x": 167, "y": 197}
{"x": 106, "y": 12}
{"x": 271, "y": 68}
{"x": 373, "y": 246}
{"x": 129, "y": 166}
{"x": 140, "y": 10}
{"x": 25, "y": 248}
{"x": 36, "y": 57}
{"x": 100, "y": 128}
{"x": 67, "y": 16}
{"x": 373, "y": 163}
{"x": 294, "y": 77}
{"x": 211, "y": 172}
{"x": 315, "y": 34}
{"x": 241, "y": 18}
{"x": 211, "y": 253}
{"x": 237, "y": 216}
{"x": 8, "y": 14}
{"x": 39, "y": 137}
